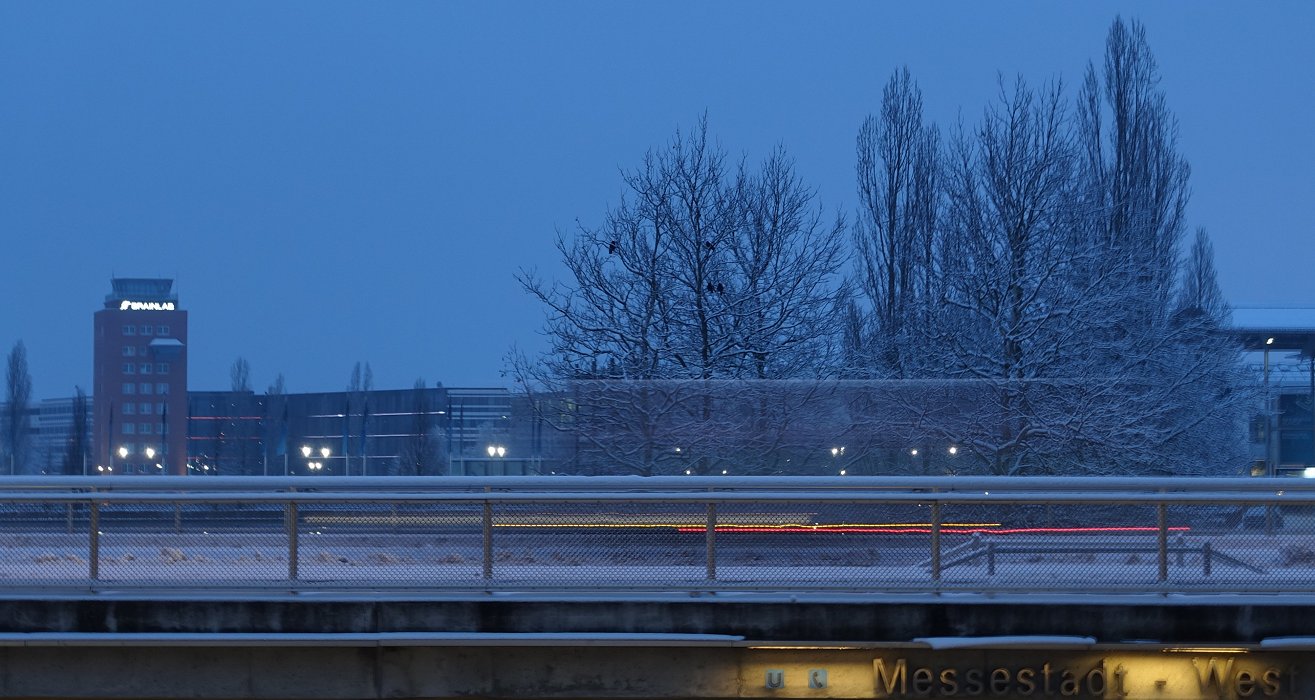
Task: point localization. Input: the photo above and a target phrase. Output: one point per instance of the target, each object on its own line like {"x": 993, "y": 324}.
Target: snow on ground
{"x": 382, "y": 560}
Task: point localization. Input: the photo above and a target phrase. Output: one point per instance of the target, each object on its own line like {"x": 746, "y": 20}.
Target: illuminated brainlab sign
{"x": 1214, "y": 677}
{"x": 126, "y": 305}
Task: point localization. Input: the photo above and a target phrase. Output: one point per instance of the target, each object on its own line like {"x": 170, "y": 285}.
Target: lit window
{"x": 129, "y": 351}
{"x": 129, "y": 409}
{"x": 129, "y": 368}
{"x": 129, "y": 388}
{"x": 130, "y": 330}
{"x": 161, "y": 388}
{"x": 145, "y": 368}
{"x": 146, "y": 388}
{"x": 146, "y": 330}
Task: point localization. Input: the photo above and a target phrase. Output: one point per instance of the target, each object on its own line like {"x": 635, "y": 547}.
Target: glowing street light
{"x": 305, "y": 451}
{"x": 497, "y": 451}
{"x": 954, "y": 450}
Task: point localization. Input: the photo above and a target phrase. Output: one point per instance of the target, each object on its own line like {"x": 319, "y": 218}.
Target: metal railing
{"x": 852, "y": 534}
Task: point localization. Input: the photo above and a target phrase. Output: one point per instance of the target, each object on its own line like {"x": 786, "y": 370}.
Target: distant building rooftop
{"x": 139, "y": 289}
{"x": 1275, "y": 327}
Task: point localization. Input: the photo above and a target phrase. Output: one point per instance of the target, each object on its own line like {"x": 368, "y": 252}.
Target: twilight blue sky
{"x": 332, "y": 182}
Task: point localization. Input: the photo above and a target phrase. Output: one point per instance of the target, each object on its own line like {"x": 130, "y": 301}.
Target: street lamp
{"x": 836, "y": 454}
{"x": 497, "y": 451}
{"x": 123, "y": 455}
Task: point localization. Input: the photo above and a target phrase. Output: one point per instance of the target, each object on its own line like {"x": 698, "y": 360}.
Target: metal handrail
{"x": 1285, "y": 486}
{"x": 295, "y": 498}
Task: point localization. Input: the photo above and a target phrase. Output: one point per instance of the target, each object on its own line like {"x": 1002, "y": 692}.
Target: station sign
{"x": 1038, "y": 674}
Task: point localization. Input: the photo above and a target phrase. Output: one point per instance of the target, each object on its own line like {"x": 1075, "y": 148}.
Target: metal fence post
{"x": 711, "y": 539}
{"x": 936, "y": 541}
{"x": 293, "y": 555}
{"x": 488, "y": 537}
{"x": 93, "y": 547}
{"x": 1205, "y": 559}
{"x": 1162, "y": 522}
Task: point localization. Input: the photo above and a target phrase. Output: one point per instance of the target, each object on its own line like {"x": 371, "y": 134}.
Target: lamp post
{"x": 123, "y": 454}
{"x": 495, "y": 452}
{"x": 324, "y": 453}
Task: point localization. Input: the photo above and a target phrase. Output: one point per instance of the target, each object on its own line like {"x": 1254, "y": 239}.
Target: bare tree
{"x": 895, "y": 233}
{"x": 642, "y": 301}
{"x": 240, "y": 375}
{"x": 276, "y": 422}
{"x": 784, "y": 295}
{"x": 1200, "y": 284}
{"x": 1134, "y": 177}
{"x": 1015, "y": 310}
{"x": 358, "y": 388}
{"x": 699, "y": 274}
{"x": 420, "y": 454}
{"x": 78, "y": 447}
{"x": 240, "y": 431}
{"x": 18, "y": 396}
{"x": 1170, "y": 385}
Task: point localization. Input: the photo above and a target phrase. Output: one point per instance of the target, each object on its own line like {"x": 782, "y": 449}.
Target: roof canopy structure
{"x": 1275, "y": 328}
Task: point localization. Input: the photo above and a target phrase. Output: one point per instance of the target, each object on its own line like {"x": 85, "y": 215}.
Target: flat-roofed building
{"x": 139, "y": 379}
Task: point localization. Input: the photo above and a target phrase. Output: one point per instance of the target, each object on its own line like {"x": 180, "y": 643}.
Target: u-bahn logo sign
{"x": 126, "y": 305}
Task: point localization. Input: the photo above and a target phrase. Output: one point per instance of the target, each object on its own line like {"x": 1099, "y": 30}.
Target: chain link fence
{"x": 696, "y": 534}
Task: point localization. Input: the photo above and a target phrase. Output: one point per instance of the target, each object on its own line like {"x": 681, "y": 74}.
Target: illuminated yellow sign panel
{"x": 1115, "y": 676}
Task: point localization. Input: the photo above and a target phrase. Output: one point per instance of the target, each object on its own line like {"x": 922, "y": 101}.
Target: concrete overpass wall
{"x": 770, "y": 647}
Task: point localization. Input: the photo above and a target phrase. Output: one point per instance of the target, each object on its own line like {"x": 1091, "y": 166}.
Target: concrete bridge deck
{"x": 112, "y": 622}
